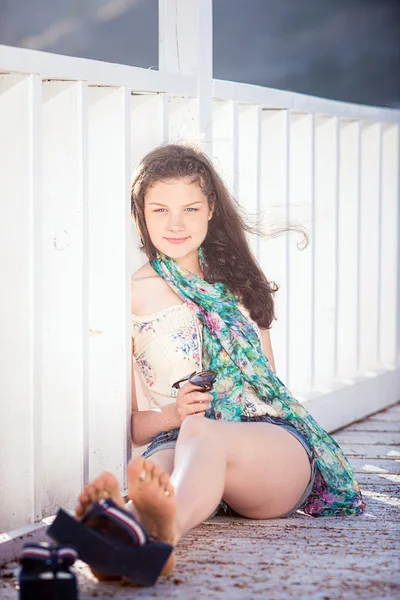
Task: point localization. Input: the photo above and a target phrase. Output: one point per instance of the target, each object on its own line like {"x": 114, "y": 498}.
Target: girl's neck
{"x": 191, "y": 263}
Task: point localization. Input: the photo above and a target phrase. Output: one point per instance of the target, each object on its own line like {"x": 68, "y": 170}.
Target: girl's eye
{"x": 189, "y": 209}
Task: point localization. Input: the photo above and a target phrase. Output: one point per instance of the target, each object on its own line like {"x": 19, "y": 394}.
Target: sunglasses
{"x": 204, "y": 379}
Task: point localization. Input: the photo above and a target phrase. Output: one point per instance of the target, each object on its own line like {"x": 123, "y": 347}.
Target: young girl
{"x": 202, "y": 302}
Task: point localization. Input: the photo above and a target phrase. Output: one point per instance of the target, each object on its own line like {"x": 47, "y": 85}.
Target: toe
{"x": 83, "y": 498}
{"x": 135, "y": 467}
{"x": 169, "y": 490}
{"x": 110, "y": 482}
{"x": 156, "y": 473}
{"x": 145, "y": 474}
{"x": 90, "y": 491}
{"x": 98, "y": 489}
{"x": 148, "y": 467}
{"x": 105, "y": 485}
{"x": 164, "y": 479}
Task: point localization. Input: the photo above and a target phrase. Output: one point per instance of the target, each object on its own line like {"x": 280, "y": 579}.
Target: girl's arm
{"x": 146, "y": 424}
{"x": 267, "y": 347}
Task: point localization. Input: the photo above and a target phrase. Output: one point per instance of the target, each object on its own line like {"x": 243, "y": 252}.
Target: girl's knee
{"x": 194, "y": 425}
{"x": 165, "y": 459}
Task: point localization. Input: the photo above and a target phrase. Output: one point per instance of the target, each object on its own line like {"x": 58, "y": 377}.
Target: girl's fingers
{"x": 198, "y": 397}
{"x": 194, "y": 399}
{"x": 189, "y": 388}
{"x": 196, "y": 408}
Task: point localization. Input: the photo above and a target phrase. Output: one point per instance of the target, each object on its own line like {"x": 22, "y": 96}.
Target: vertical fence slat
{"x": 20, "y": 315}
{"x": 389, "y": 249}
{"x": 249, "y": 152}
{"x": 369, "y": 245}
{"x": 149, "y": 124}
{"x": 149, "y": 129}
{"x": 184, "y": 123}
{"x": 325, "y": 257}
{"x": 64, "y": 339}
{"x": 398, "y": 252}
{"x": 301, "y": 162}
{"x": 109, "y": 280}
{"x": 274, "y": 160}
{"x": 225, "y": 147}
{"x": 347, "y": 297}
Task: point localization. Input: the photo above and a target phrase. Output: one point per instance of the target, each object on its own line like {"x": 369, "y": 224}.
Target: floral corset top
{"x": 166, "y": 347}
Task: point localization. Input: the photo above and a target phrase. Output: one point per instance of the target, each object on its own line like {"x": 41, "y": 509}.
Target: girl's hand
{"x": 190, "y": 401}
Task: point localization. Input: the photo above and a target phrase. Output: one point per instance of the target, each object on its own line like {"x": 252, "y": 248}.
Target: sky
{"x": 342, "y": 49}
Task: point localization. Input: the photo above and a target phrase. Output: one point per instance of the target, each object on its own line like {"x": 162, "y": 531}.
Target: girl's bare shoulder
{"x": 149, "y": 292}
{"x": 144, "y": 274}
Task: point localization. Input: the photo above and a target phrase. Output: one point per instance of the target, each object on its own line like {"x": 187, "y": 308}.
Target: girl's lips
{"x": 176, "y": 240}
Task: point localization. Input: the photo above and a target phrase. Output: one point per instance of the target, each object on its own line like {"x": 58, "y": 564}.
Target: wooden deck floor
{"x": 298, "y": 557}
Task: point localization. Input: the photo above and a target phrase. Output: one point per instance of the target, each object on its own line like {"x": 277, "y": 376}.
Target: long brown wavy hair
{"x": 226, "y": 249}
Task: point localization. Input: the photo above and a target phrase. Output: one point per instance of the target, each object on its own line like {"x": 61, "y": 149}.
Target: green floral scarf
{"x": 232, "y": 348}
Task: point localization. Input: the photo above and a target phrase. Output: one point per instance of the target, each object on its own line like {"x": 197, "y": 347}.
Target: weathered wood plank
{"x": 391, "y": 416}
{"x": 374, "y": 465}
{"x": 370, "y": 450}
{"x": 376, "y": 426}
{"x": 223, "y": 525}
{"x": 367, "y": 437}
{"x": 365, "y": 478}
{"x": 387, "y": 497}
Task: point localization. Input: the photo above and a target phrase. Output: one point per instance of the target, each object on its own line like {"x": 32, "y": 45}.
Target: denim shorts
{"x": 167, "y": 440}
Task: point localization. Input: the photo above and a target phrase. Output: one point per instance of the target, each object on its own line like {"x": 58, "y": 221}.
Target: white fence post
{"x": 109, "y": 280}
{"x": 369, "y": 245}
{"x": 20, "y": 313}
{"x": 225, "y": 142}
{"x": 185, "y": 47}
{"x": 301, "y": 264}
{"x": 389, "y": 281}
{"x": 149, "y": 129}
{"x": 249, "y": 191}
{"x": 348, "y": 249}
{"x": 274, "y": 206}
{"x": 64, "y": 223}
{"x": 325, "y": 250}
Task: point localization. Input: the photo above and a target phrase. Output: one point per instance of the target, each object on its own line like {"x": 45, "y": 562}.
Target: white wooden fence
{"x": 71, "y": 131}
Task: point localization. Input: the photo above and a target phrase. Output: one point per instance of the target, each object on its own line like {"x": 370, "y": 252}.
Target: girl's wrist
{"x": 170, "y": 417}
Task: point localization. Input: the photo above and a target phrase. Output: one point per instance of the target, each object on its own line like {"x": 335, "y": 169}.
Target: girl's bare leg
{"x": 161, "y": 458}
{"x": 164, "y": 459}
{"x": 260, "y": 469}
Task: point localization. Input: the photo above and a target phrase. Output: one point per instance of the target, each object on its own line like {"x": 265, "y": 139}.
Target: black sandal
{"x": 46, "y": 573}
{"x": 112, "y": 541}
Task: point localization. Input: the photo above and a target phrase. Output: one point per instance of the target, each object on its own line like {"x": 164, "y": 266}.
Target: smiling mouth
{"x": 177, "y": 240}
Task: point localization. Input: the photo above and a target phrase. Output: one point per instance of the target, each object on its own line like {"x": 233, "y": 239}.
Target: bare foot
{"x": 153, "y": 497}
{"x": 105, "y": 486}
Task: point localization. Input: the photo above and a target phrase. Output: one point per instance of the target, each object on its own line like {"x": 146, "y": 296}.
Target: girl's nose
{"x": 175, "y": 223}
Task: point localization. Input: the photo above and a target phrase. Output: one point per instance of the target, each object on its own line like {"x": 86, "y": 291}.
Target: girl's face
{"x": 177, "y": 214}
